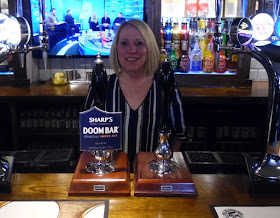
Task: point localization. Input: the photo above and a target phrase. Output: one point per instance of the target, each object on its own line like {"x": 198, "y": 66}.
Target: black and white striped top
{"x": 140, "y": 127}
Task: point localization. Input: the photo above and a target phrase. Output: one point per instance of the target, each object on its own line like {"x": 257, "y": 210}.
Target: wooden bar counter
{"x": 212, "y": 189}
{"x": 257, "y": 90}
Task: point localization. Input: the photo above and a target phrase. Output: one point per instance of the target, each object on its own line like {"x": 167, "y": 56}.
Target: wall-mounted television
{"x": 85, "y": 38}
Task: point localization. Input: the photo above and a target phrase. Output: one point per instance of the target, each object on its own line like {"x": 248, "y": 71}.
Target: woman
{"x": 134, "y": 89}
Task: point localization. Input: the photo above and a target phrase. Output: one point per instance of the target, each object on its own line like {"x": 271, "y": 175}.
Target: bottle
{"x": 193, "y": 33}
{"x": 161, "y": 34}
{"x": 225, "y": 35}
{"x": 232, "y": 58}
{"x": 35, "y": 118}
{"x": 28, "y": 119}
{"x": 184, "y": 35}
{"x": 68, "y": 121}
{"x": 201, "y": 34}
{"x": 53, "y": 119}
{"x": 47, "y": 119}
{"x": 173, "y": 57}
{"x": 208, "y": 60}
{"x": 167, "y": 36}
{"x": 60, "y": 119}
{"x": 222, "y": 67}
{"x": 209, "y": 32}
{"x": 75, "y": 119}
{"x": 22, "y": 119}
{"x": 176, "y": 39}
{"x": 41, "y": 118}
{"x": 184, "y": 61}
{"x": 196, "y": 58}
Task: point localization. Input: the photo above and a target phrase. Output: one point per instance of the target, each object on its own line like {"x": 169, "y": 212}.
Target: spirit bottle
{"x": 167, "y": 36}
{"x": 208, "y": 60}
{"x": 193, "y": 33}
{"x": 184, "y": 35}
{"x": 176, "y": 39}
{"x": 196, "y": 57}
{"x": 173, "y": 57}
{"x": 232, "y": 58}
{"x": 209, "y": 32}
{"x": 201, "y": 35}
{"x": 184, "y": 61}
{"x": 225, "y": 35}
{"x": 222, "y": 67}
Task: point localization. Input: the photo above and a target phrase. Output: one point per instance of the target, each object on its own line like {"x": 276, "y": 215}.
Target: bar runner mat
{"x": 55, "y": 209}
{"x": 245, "y": 211}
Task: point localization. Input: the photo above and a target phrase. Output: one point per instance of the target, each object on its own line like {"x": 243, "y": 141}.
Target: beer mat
{"x": 245, "y": 211}
{"x": 55, "y": 209}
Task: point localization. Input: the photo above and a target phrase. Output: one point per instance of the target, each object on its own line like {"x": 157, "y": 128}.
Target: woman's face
{"x": 132, "y": 50}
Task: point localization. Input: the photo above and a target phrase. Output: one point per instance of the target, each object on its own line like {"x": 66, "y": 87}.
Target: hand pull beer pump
{"x": 100, "y": 165}
{"x": 163, "y": 164}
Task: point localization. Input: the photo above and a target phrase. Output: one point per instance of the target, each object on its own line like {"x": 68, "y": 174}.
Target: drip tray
{"x": 259, "y": 185}
{"x": 202, "y": 161}
{"x": 33, "y": 161}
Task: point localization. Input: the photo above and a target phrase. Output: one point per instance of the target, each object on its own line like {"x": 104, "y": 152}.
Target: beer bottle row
{"x": 50, "y": 118}
{"x": 190, "y": 46}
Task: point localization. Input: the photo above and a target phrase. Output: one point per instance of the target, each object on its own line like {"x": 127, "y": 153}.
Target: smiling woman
{"x": 132, "y": 51}
{"x": 134, "y": 89}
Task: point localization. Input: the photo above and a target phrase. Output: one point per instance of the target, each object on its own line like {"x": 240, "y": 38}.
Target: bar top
{"x": 257, "y": 90}
{"x": 212, "y": 189}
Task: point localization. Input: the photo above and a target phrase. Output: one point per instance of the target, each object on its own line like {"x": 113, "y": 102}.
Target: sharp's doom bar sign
{"x": 100, "y": 130}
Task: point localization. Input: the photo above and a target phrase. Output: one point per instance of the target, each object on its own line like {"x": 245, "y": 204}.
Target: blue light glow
{"x": 277, "y": 28}
{"x": 6, "y": 73}
{"x": 227, "y": 73}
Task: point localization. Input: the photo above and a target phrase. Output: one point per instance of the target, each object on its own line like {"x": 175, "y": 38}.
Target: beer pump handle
{"x": 99, "y": 83}
{"x": 166, "y": 81}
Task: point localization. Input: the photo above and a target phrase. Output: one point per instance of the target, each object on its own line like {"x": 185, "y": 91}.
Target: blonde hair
{"x": 152, "y": 60}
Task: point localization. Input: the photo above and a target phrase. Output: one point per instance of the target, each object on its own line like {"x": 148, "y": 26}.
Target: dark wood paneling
{"x": 153, "y": 16}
